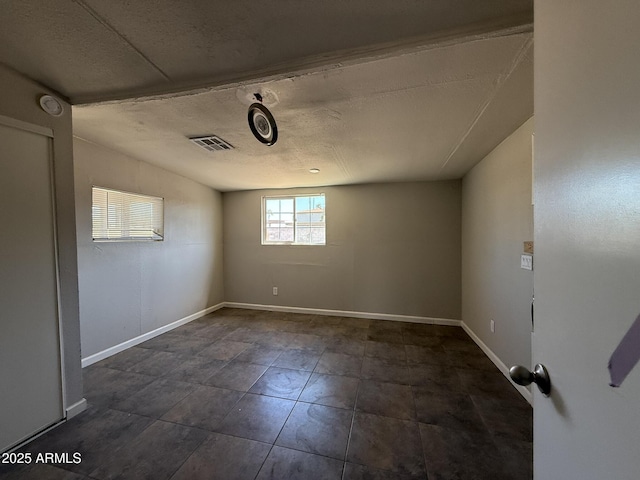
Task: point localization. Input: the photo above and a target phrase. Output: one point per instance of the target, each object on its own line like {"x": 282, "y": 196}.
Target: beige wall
{"x": 130, "y": 288}
{"x": 497, "y": 217}
{"x": 19, "y": 100}
{"x": 391, "y": 248}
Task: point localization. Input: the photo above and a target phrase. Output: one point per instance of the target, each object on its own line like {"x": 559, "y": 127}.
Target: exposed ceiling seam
{"x": 107, "y": 25}
{"x": 490, "y": 97}
{"x": 327, "y": 62}
{"x": 342, "y": 164}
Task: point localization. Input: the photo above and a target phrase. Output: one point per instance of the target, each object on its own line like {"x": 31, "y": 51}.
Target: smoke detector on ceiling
{"x": 211, "y": 143}
{"x": 51, "y": 105}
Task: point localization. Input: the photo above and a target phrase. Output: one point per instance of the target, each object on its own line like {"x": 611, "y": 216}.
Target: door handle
{"x": 522, "y": 376}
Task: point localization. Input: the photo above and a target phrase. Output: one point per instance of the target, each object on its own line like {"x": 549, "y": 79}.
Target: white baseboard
{"x": 524, "y": 391}
{"x": 76, "y": 409}
{"x": 346, "y": 313}
{"x": 96, "y": 357}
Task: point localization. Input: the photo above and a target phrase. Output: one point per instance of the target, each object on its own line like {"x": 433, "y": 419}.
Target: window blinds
{"x": 120, "y": 215}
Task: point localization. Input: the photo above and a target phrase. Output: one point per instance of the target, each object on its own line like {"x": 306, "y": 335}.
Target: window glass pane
{"x": 299, "y": 219}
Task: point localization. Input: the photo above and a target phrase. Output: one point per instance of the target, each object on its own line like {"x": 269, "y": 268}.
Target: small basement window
{"x": 119, "y": 216}
{"x": 294, "y": 220}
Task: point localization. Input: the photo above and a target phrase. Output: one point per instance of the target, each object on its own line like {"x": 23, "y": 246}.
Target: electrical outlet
{"x": 492, "y": 324}
{"x": 275, "y": 290}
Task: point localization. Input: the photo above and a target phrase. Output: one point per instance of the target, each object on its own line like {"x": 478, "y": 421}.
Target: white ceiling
{"x": 392, "y": 90}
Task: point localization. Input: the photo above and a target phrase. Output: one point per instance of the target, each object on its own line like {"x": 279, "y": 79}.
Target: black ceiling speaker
{"x": 262, "y": 124}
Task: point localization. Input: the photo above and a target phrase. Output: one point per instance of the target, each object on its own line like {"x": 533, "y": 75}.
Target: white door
{"x": 587, "y": 236}
{"x": 30, "y": 375}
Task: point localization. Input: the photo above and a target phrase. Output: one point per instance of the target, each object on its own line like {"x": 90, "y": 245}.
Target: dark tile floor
{"x": 243, "y": 394}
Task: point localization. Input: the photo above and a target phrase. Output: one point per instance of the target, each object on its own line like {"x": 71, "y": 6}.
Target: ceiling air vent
{"x": 211, "y": 143}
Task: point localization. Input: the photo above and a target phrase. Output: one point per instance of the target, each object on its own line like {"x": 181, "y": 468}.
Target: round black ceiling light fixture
{"x": 262, "y": 124}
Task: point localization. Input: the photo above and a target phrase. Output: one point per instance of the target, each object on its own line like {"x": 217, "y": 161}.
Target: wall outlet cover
{"x": 526, "y": 262}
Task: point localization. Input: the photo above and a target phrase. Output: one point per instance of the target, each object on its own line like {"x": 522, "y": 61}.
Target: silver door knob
{"x": 522, "y": 376}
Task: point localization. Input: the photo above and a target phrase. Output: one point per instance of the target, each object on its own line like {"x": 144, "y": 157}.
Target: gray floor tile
{"x": 95, "y": 434}
{"x": 339, "y": 364}
{"x": 297, "y": 360}
{"x": 453, "y": 407}
{"x": 305, "y": 341}
{"x": 384, "y": 370}
{"x": 451, "y": 343}
{"x": 389, "y": 351}
{"x": 156, "y": 399}
{"x": 257, "y": 417}
{"x": 104, "y": 387}
{"x": 195, "y": 370}
{"x": 432, "y": 341}
{"x": 346, "y": 346}
{"x": 517, "y": 458}
{"x": 204, "y": 408}
{"x": 460, "y": 454}
{"x": 125, "y": 359}
{"x": 386, "y": 399}
{"x": 513, "y": 420}
{"x": 237, "y": 376}
{"x": 470, "y": 360}
{"x": 437, "y": 378}
{"x": 281, "y": 382}
{"x": 159, "y": 363}
{"x": 177, "y": 343}
{"x": 155, "y": 454}
{"x": 386, "y": 444}
{"x": 222, "y": 457}
{"x": 489, "y": 383}
{"x": 447, "y": 409}
{"x": 362, "y": 472}
{"x": 215, "y": 332}
{"x": 331, "y": 390}
{"x": 37, "y": 472}
{"x": 417, "y": 354}
{"x": 190, "y": 329}
{"x": 386, "y": 336}
{"x": 259, "y": 354}
{"x": 317, "y": 429}
{"x": 283, "y": 463}
{"x": 225, "y": 349}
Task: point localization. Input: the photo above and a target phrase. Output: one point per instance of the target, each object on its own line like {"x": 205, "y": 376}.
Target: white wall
{"x": 497, "y": 217}
{"x": 19, "y": 100}
{"x": 391, "y": 249}
{"x": 130, "y": 288}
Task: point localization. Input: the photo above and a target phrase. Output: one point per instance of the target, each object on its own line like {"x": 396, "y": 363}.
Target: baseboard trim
{"x": 76, "y": 409}
{"x": 525, "y": 392}
{"x": 96, "y": 357}
{"x": 345, "y": 313}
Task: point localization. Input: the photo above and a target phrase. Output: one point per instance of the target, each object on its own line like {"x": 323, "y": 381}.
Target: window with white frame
{"x": 120, "y": 215}
{"x": 294, "y": 220}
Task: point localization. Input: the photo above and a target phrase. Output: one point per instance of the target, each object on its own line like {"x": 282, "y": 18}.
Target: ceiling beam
{"x": 506, "y": 26}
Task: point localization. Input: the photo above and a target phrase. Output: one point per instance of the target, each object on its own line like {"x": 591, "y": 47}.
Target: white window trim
{"x": 294, "y": 196}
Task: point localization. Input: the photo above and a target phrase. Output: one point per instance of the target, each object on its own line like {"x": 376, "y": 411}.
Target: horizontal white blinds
{"x": 126, "y": 216}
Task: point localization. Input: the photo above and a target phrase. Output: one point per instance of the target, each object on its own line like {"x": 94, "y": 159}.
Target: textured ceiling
{"x": 392, "y": 90}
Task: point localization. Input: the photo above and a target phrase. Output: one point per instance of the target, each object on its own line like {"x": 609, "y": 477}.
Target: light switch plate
{"x": 526, "y": 262}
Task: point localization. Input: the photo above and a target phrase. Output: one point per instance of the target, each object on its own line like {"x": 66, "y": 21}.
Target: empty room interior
{"x": 291, "y": 240}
